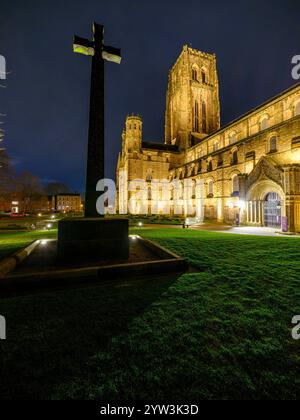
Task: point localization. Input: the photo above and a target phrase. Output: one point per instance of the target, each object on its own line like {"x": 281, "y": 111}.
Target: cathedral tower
{"x": 193, "y": 108}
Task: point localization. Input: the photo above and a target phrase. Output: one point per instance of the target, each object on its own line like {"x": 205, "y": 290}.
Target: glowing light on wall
{"x": 242, "y": 205}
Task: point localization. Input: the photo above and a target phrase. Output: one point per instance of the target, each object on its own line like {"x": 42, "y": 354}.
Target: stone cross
{"x": 95, "y": 157}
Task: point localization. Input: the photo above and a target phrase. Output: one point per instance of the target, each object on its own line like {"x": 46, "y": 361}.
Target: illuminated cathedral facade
{"x": 248, "y": 170}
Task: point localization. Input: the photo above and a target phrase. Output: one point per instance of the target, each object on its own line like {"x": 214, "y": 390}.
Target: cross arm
{"x": 83, "y": 46}
{"x": 112, "y": 54}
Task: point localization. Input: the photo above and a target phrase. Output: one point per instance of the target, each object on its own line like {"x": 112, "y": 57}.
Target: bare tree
{"x": 7, "y": 174}
{"x": 29, "y": 189}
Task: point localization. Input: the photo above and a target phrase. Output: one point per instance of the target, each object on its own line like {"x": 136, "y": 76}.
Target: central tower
{"x": 193, "y": 107}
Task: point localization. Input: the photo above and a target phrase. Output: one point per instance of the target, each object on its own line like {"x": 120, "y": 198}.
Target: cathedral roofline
{"x": 160, "y": 146}
{"x": 253, "y": 110}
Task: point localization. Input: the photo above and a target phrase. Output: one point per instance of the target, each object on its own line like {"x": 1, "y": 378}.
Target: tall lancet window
{"x": 196, "y": 117}
{"x": 204, "y": 118}
{"x": 195, "y": 74}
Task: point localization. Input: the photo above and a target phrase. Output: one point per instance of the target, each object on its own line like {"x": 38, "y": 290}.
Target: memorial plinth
{"x": 93, "y": 239}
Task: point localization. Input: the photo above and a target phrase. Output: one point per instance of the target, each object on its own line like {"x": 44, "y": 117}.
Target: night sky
{"x": 47, "y": 94}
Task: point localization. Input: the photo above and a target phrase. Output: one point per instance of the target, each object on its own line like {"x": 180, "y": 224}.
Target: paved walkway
{"x": 245, "y": 230}
{"x": 218, "y": 227}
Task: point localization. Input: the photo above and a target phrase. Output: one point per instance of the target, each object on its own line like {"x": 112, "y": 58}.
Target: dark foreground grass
{"x": 51, "y": 336}
{"x": 223, "y": 333}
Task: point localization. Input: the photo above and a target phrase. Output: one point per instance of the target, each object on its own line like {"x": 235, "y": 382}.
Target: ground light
{"x": 140, "y": 224}
{"x": 133, "y": 237}
{"x": 49, "y": 225}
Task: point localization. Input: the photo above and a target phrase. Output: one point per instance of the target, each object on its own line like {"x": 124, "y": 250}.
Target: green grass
{"x": 13, "y": 241}
{"x": 221, "y": 333}
{"x": 151, "y": 220}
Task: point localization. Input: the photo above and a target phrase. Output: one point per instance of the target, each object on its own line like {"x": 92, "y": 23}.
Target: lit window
{"x": 233, "y": 138}
{"x": 264, "y": 123}
{"x": 297, "y": 109}
{"x": 235, "y": 184}
{"x": 220, "y": 160}
{"x": 273, "y": 144}
{"x": 211, "y": 188}
{"x": 235, "y": 158}
{"x": 149, "y": 176}
{"x": 196, "y": 117}
{"x": 195, "y": 74}
{"x": 204, "y": 117}
{"x": 216, "y": 147}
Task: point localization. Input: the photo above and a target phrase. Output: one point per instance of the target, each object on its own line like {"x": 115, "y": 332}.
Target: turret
{"x": 132, "y": 136}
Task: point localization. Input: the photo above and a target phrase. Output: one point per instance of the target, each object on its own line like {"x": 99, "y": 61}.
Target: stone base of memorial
{"x": 93, "y": 239}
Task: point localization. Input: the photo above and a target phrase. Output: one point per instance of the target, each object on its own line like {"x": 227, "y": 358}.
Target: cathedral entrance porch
{"x": 265, "y": 206}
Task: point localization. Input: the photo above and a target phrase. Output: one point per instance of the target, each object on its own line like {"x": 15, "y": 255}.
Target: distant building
{"x": 66, "y": 203}
{"x": 249, "y": 169}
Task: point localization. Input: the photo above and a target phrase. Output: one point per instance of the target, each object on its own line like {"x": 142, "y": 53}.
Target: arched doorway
{"x": 272, "y": 210}
{"x": 265, "y": 204}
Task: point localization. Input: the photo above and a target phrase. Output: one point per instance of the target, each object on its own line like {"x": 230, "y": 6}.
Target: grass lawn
{"x": 13, "y": 241}
{"x": 222, "y": 333}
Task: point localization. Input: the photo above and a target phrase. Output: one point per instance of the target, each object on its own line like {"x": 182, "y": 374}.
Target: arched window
{"x": 211, "y": 188}
{"x": 273, "y": 144}
{"x": 196, "y": 117}
{"x": 204, "y": 117}
{"x": 297, "y": 109}
{"x": 209, "y": 166}
{"x": 235, "y": 158}
{"x": 264, "y": 123}
{"x": 195, "y": 74}
{"x": 199, "y": 166}
{"x": 149, "y": 175}
{"x": 216, "y": 147}
{"x": 203, "y": 76}
{"x": 235, "y": 185}
{"x": 233, "y": 137}
{"x": 220, "y": 160}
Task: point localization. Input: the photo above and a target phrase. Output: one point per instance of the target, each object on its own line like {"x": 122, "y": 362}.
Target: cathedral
{"x": 248, "y": 170}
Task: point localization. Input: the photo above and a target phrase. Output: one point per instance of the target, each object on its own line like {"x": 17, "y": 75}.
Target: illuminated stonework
{"x": 250, "y": 168}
